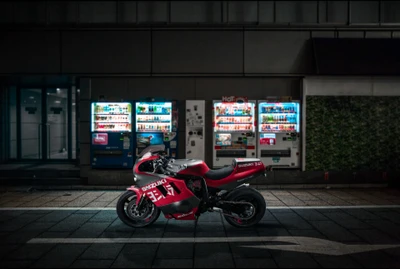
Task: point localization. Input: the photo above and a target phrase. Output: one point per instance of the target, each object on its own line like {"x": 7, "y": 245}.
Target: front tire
{"x": 135, "y": 217}
{"x": 254, "y": 213}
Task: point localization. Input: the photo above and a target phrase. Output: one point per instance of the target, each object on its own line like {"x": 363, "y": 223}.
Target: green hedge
{"x": 352, "y": 133}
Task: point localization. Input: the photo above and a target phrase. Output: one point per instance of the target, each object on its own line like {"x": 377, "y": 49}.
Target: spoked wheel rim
{"x": 249, "y": 212}
{"x": 141, "y": 215}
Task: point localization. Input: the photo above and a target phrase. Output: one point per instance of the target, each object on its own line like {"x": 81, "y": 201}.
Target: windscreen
{"x": 151, "y": 149}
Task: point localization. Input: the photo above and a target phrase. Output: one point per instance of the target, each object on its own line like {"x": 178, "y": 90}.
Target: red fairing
{"x": 136, "y": 166}
{"x": 171, "y": 196}
{"x": 241, "y": 171}
{"x": 137, "y": 191}
{"x": 187, "y": 216}
{"x": 196, "y": 170}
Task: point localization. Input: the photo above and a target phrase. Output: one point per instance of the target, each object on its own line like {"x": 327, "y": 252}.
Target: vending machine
{"x": 279, "y": 133}
{"x": 195, "y": 110}
{"x": 157, "y": 123}
{"x": 234, "y": 130}
{"x": 111, "y": 135}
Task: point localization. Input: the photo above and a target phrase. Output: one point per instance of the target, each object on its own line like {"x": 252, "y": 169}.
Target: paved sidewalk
{"x": 314, "y": 228}
{"x": 274, "y": 198}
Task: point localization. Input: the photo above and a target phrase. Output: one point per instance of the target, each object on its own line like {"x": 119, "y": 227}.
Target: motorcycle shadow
{"x": 262, "y": 225}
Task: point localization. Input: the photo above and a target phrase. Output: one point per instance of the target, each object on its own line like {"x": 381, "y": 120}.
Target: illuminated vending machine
{"x": 157, "y": 123}
{"x": 111, "y": 134}
{"x": 279, "y": 133}
{"x": 234, "y": 130}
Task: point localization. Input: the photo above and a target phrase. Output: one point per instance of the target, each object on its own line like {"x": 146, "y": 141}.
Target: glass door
{"x": 45, "y": 124}
{"x": 57, "y": 123}
{"x": 31, "y": 124}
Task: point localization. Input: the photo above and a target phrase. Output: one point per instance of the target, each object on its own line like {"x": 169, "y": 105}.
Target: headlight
{"x": 134, "y": 178}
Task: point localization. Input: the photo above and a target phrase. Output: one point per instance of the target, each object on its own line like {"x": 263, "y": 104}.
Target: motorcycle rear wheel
{"x": 256, "y": 213}
{"x": 128, "y": 212}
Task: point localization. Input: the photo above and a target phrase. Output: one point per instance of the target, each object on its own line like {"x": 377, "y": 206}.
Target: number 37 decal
{"x": 155, "y": 195}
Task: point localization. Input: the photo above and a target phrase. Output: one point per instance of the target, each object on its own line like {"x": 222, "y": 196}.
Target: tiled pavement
{"x": 301, "y": 228}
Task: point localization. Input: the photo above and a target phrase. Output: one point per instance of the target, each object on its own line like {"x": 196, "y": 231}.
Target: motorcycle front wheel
{"x": 131, "y": 215}
{"x": 250, "y": 215}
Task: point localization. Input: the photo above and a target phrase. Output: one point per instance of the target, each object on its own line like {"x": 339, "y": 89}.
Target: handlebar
{"x": 160, "y": 164}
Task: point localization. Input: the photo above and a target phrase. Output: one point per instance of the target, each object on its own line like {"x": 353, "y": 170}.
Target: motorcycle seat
{"x": 220, "y": 173}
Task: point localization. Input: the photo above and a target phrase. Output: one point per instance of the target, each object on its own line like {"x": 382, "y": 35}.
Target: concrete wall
{"x": 233, "y": 52}
{"x": 34, "y": 52}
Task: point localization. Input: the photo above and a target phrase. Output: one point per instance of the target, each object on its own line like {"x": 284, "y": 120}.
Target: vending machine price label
{"x": 276, "y": 159}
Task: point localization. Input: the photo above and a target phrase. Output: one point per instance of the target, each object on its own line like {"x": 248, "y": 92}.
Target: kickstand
{"x": 195, "y": 222}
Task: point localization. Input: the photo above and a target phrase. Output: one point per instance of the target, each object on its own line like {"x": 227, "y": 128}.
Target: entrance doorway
{"x": 46, "y": 123}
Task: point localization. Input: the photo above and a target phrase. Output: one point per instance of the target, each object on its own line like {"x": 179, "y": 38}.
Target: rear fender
{"x": 239, "y": 189}
{"x": 138, "y": 192}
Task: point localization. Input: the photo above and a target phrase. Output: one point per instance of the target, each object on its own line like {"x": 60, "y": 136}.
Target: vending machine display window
{"x": 154, "y": 117}
{"x": 279, "y": 117}
{"x": 111, "y": 117}
{"x": 157, "y": 123}
{"x": 233, "y": 117}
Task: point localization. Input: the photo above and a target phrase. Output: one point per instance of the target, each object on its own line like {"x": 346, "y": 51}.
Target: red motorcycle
{"x": 183, "y": 189}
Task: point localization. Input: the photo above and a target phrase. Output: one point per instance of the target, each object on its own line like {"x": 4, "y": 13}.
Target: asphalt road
{"x": 289, "y": 237}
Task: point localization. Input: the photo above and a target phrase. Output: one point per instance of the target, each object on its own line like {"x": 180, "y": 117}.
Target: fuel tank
{"x": 188, "y": 167}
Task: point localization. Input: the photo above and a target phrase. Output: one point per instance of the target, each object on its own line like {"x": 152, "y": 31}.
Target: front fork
{"x": 141, "y": 195}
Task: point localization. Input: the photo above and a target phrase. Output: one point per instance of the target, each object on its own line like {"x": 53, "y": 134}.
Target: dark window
{"x": 30, "y": 12}
{"x": 196, "y": 12}
{"x": 153, "y": 11}
{"x": 127, "y": 12}
{"x": 391, "y": 11}
{"x": 62, "y": 12}
{"x": 333, "y": 12}
{"x": 266, "y": 11}
{"x": 97, "y": 12}
{"x": 242, "y": 12}
{"x": 6, "y": 12}
{"x": 296, "y": 11}
{"x": 364, "y": 11}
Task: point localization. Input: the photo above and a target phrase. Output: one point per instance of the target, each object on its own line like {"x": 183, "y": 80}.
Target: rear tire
{"x": 252, "y": 196}
{"x": 135, "y": 217}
